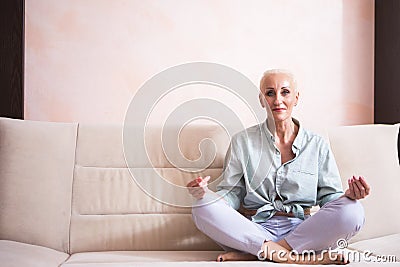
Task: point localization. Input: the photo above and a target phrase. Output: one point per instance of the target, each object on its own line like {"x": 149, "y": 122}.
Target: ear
{"x": 262, "y": 100}
{"x": 297, "y": 98}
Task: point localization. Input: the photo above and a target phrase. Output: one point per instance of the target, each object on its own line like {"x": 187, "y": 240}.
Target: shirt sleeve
{"x": 232, "y": 187}
{"x": 329, "y": 182}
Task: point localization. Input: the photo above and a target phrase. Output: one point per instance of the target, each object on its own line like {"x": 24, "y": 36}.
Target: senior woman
{"x": 277, "y": 171}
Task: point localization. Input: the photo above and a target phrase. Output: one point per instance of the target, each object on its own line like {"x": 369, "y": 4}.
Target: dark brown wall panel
{"x": 12, "y": 58}
{"x": 387, "y": 63}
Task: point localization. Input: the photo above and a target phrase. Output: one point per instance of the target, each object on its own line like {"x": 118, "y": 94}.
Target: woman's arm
{"x": 329, "y": 182}
{"x": 232, "y": 187}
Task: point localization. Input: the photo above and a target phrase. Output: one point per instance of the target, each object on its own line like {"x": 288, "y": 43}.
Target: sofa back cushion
{"x": 110, "y": 211}
{"x": 36, "y": 170}
{"x": 371, "y": 151}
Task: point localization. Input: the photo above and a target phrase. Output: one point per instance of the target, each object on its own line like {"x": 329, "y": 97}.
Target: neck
{"x": 285, "y": 131}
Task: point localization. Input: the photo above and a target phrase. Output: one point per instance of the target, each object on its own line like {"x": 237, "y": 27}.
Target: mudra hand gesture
{"x": 198, "y": 187}
{"x": 358, "y": 188}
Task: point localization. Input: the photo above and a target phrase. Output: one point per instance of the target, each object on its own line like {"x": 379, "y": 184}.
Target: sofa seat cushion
{"x": 175, "y": 258}
{"x": 381, "y": 246}
{"x": 140, "y": 256}
{"x": 20, "y": 254}
{"x": 151, "y": 258}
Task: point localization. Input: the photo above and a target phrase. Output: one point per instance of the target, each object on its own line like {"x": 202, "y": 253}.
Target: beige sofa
{"x": 67, "y": 197}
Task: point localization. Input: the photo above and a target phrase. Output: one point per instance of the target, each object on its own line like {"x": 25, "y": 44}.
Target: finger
{"x": 348, "y": 192}
{"x": 204, "y": 181}
{"x": 191, "y": 190}
{"x": 362, "y": 187}
{"x": 351, "y": 188}
{"x": 192, "y": 183}
{"x": 199, "y": 195}
{"x": 366, "y": 186}
{"x": 197, "y": 190}
{"x": 350, "y": 185}
{"x": 196, "y": 195}
{"x": 357, "y": 190}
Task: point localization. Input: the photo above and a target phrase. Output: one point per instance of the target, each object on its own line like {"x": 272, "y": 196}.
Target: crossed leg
{"x": 341, "y": 218}
{"x": 228, "y": 227}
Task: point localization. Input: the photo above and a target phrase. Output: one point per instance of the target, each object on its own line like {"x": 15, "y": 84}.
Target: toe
{"x": 220, "y": 257}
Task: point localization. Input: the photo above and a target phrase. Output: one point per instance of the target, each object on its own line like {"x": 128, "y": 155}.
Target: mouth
{"x": 278, "y": 109}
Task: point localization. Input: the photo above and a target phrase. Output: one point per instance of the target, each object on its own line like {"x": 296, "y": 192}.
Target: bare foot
{"x": 311, "y": 259}
{"x": 236, "y": 256}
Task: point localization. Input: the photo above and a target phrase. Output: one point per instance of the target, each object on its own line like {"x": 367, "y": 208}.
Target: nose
{"x": 278, "y": 100}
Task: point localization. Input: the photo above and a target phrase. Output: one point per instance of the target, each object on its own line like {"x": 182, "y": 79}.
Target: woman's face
{"x": 280, "y": 95}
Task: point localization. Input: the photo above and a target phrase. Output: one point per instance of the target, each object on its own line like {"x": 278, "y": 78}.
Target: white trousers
{"x": 339, "y": 219}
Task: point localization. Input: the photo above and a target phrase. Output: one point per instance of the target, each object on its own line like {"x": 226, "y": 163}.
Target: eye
{"x": 270, "y": 93}
{"x": 285, "y": 92}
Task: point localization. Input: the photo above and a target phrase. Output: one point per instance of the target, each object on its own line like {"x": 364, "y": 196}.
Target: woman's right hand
{"x": 198, "y": 187}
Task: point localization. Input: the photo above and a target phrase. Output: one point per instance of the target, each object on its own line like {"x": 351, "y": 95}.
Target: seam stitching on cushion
{"x": 108, "y": 167}
{"x": 69, "y": 256}
{"x": 134, "y": 214}
{"x": 72, "y": 189}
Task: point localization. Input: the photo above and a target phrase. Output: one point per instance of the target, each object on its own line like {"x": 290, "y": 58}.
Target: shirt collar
{"x": 268, "y": 133}
{"x": 298, "y": 141}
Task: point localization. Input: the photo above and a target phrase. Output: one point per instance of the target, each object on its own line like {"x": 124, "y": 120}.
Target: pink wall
{"x": 85, "y": 59}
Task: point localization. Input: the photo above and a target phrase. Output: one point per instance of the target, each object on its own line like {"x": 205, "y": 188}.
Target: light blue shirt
{"x": 254, "y": 175}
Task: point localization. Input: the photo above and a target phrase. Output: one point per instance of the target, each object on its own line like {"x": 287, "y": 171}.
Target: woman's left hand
{"x": 358, "y": 188}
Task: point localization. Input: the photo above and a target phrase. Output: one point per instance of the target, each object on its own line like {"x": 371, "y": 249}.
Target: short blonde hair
{"x": 276, "y": 71}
